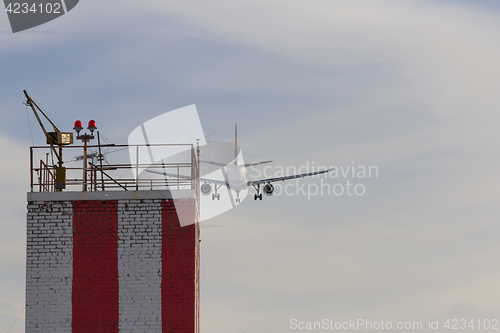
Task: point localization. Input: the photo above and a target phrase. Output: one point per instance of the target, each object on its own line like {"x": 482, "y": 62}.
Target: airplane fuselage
{"x": 236, "y": 176}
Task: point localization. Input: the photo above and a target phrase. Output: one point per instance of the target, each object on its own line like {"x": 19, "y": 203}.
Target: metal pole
{"x": 31, "y": 168}
{"x": 40, "y": 179}
{"x": 137, "y": 170}
{"x": 60, "y": 156}
{"x": 100, "y": 158}
{"x": 60, "y": 164}
{"x": 198, "y": 161}
{"x": 84, "y": 166}
{"x": 46, "y": 172}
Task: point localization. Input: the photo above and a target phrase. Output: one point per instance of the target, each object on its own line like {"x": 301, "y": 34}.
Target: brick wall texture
{"x": 112, "y": 266}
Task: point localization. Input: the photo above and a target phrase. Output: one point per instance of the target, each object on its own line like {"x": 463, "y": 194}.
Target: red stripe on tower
{"x": 95, "y": 267}
{"x": 179, "y": 295}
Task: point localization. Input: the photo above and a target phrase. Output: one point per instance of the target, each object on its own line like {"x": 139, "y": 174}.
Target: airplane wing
{"x": 206, "y": 180}
{"x": 277, "y": 179}
{"x": 214, "y": 163}
{"x": 255, "y": 163}
{"x": 246, "y": 164}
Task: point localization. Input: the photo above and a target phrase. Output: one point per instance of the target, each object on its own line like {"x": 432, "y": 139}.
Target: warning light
{"x": 78, "y": 127}
{"x": 92, "y": 127}
{"x": 85, "y": 137}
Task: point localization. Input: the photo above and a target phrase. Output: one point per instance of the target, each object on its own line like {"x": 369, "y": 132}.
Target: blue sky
{"x": 408, "y": 86}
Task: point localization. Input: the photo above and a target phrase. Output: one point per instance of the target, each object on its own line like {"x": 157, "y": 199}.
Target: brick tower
{"x": 102, "y": 260}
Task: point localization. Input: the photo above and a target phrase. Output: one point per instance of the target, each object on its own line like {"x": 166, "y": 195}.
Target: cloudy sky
{"x": 411, "y": 87}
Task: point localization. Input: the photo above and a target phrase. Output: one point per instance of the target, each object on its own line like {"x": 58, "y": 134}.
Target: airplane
{"x": 236, "y": 177}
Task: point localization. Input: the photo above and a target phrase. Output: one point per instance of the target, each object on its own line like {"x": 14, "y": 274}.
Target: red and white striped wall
{"x": 117, "y": 265}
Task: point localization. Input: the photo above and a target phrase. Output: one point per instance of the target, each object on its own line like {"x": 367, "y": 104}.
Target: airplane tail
{"x": 235, "y": 140}
{"x": 246, "y": 165}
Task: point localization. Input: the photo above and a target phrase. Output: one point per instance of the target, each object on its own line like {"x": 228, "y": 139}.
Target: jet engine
{"x": 268, "y": 189}
{"x": 206, "y": 189}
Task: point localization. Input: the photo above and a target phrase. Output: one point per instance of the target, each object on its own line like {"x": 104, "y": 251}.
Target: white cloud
{"x": 375, "y": 270}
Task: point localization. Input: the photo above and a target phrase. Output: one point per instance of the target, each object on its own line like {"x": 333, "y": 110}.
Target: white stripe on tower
{"x": 139, "y": 265}
{"x": 49, "y": 267}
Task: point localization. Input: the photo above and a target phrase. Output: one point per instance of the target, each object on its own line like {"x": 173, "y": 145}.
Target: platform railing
{"x": 113, "y": 177}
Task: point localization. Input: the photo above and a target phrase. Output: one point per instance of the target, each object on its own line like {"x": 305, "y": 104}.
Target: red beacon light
{"x": 92, "y": 126}
{"x": 78, "y": 126}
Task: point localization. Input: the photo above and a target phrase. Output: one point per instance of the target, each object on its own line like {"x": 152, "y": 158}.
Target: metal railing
{"x": 109, "y": 177}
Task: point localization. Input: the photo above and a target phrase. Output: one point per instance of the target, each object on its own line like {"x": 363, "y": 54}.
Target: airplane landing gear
{"x": 216, "y": 195}
{"x": 257, "y": 188}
